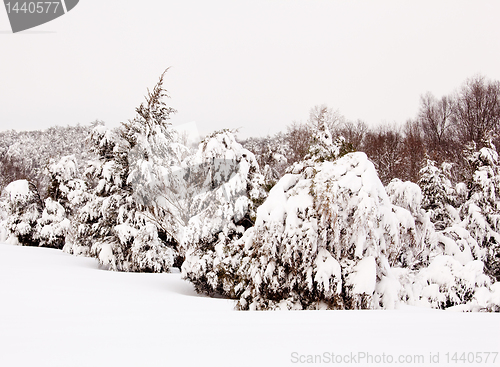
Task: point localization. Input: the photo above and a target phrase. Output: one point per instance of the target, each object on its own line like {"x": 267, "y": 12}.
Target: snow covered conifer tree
{"x": 324, "y": 147}
{"x": 438, "y": 194}
{"x": 66, "y": 193}
{"x": 447, "y": 271}
{"x": 153, "y": 151}
{"x": 126, "y": 223}
{"x": 53, "y": 225}
{"x": 64, "y": 186}
{"x": 47, "y": 225}
{"x": 23, "y": 208}
{"x": 481, "y": 212}
{"x": 408, "y": 195}
{"x": 227, "y": 175}
{"x": 455, "y": 275}
{"x": 323, "y": 239}
{"x": 229, "y": 191}
{"x": 94, "y": 222}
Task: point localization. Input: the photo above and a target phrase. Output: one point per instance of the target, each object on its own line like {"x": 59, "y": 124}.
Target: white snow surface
{"x": 61, "y": 310}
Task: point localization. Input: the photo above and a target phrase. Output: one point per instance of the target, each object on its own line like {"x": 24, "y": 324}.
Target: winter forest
{"x": 329, "y": 214}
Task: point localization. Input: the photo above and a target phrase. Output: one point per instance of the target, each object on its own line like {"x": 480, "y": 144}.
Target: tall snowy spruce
{"x": 126, "y": 222}
{"x": 227, "y": 187}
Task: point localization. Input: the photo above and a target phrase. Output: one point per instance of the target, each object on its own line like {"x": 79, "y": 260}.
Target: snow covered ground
{"x": 61, "y": 310}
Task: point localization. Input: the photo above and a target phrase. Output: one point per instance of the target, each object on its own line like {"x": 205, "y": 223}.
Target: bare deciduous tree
{"x": 384, "y": 148}
{"x": 413, "y": 151}
{"x": 354, "y": 133}
{"x": 477, "y": 111}
{"x": 435, "y": 117}
{"x": 299, "y": 140}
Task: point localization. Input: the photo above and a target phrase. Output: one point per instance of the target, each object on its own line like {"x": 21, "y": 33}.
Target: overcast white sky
{"x": 258, "y": 65}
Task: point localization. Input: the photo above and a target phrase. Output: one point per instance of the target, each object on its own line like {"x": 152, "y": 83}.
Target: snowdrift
{"x": 63, "y": 310}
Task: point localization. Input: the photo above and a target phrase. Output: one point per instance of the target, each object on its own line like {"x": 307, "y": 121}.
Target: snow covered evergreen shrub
{"x": 52, "y": 226}
{"x": 23, "y": 208}
{"x": 457, "y": 242}
{"x": 228, "y": 188}
{"x": 66, "y": 193}
{"x": 408, "y": 195}
{"x": 65, "y": 186}
{"x": 481, "y": 212}
{"x": 448, "y": 283}
{"x": 138, "y": 250}
{"x": 438, "y": 194}
{"x": 149, "y": 254}
{"x": 452, "y": 274}
{"x": 126, "y": 222}
{"x": 212, "y": 267}
{"x": 95, "y": 220}
{"x": 224, "y": 205}
{"x": 323, "y": 239}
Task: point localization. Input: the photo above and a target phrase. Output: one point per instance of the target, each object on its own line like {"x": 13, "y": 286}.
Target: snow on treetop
{"x": 18, "y": 189}
{"x": 405, "y": 194}
{"x": 488, "y": 156}
{"x": 274, "y": 208}
{"x": 66, "y": 168}
{"x": 346, "y": 193}
{"x": 349, "y": 193}
{"x": 364, "y": 275}
{"x": 222, "y": 145}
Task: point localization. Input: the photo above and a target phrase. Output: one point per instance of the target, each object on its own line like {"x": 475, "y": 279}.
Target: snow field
{"x": 62, "y": 310}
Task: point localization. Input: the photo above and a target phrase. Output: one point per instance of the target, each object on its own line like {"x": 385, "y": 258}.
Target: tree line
{"x": 443, "y": 129}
